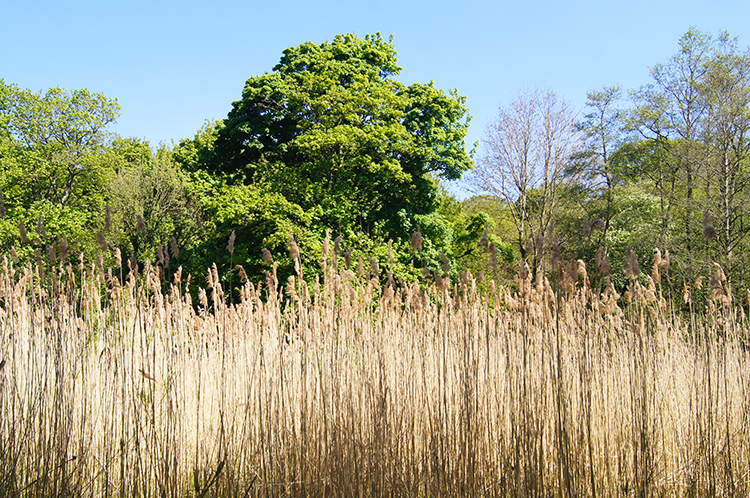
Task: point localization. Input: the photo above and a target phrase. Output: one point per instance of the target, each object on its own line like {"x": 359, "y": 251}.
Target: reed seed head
{"x": 22, "y": 232}
{"x": 230, "y": 244}
{"x": 416, "y": 239}
{"x": 632, "y": 268}
{"x": 140, "y": 224}
{"x": 267, "y": 256}
{"x": 101, "y": 241}
{"x": 709, "y": 232}
{"x": 293, "y": 249}
{"x": 174, "y": 249}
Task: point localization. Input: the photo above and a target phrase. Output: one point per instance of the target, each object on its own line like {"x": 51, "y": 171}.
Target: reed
{"x": 114, "y": 386}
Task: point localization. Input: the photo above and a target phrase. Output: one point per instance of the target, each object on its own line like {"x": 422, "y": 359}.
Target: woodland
{"x": 329, "y": 140}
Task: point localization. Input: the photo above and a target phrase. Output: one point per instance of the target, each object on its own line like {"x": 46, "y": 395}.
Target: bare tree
{"x": 526, "y": 150}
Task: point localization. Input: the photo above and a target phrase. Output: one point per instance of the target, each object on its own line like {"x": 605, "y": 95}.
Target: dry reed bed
{"x": 344, "y": 389}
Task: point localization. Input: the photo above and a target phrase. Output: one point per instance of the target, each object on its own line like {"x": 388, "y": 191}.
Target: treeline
{"x": 664, "y": 166}
{"x": 329, "y": 142}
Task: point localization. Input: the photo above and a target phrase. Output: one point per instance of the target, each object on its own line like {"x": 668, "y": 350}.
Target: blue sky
{"x": 172, "y": 65}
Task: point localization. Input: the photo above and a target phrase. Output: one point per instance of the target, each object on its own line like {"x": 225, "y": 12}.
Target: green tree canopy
{"x": 54, "y": 142}
{"x": 331, "y": 129}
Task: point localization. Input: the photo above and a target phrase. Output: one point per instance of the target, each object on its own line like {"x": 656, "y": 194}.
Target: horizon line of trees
{"x": 329, "y": 142}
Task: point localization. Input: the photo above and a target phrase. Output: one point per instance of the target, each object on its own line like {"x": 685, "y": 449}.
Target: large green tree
{"x": 330, "y": 129}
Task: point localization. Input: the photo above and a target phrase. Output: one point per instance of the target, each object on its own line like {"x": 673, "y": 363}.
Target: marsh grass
{"x": 113, "y": 386}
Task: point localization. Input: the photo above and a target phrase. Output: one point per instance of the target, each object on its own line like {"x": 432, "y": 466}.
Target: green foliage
{"x": 470, "y": 234}
{"x": 56, "y": 144}
{"x": 260, "y": 218}
{"x": 330, "y": 129}
{"x": 154, "y": 188}
{"x": 193, "y": 154}
{"x": 55, "y": 163}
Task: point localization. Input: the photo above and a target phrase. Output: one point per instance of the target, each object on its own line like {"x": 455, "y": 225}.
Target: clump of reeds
{"x": 337, "y": 387}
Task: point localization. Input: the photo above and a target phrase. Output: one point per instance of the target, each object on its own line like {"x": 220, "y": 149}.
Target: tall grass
{"x": 341, "y": 387}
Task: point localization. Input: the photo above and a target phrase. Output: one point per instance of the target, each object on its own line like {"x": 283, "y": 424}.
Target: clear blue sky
{"x": 172, "y": 65}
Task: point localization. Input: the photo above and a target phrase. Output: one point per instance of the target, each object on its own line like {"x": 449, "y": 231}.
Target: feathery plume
{"x": 100, "y": 267}
{"x": 586, "y": 227}
{"x": 267, "y": 256}
{"x": 602, "y": 262}
{"x": 529, "y": 246}
{"x": 698, "y": 283}
{"x": 539, "y": 245}
{"x": 140, "y": 225}
{"x": 686, "y": 293}
{"x": 655, "y": 274}
{"x": 374, "y": 268}
{"x": 632, "y": 269}
{"x": 416, "y": 239}
{"x": 159, "y": 255}
{"x": 209, "y": 279}
{"x": 337, "y": 245}
{"x": 581, "y": 268}
{"x": 22, "y": 232}
{"x": 174, "y": 249}
{"x": 230, "y": 244}
{"x": 446, "y": 264}
{"x": 62, "y": 247}
{"x": 293, "y": 249}
{"x": 241, "y": 273}
{"x": 720, "y": 276}
{"x": 709, "y": 232}
{"x": 101, "y": 241}
{"x": 107, "y": 218}
{"x": 51, "y": 253}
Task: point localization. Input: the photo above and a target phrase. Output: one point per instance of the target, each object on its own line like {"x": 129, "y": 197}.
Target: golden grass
{"x": 344, "y": 388}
